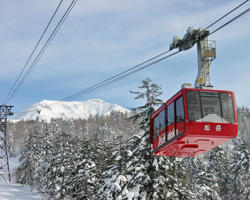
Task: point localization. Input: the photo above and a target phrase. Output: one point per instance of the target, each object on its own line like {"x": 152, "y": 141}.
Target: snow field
{"x": 18, "y": 192}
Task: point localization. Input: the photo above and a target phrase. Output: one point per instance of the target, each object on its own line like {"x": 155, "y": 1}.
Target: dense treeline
{"x": 65, "y": 159}
{"x": 109, "y": 158}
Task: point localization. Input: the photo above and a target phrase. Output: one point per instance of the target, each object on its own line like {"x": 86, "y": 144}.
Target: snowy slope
{"x": 68, "y": 110}
{"x": 17, "y": 192}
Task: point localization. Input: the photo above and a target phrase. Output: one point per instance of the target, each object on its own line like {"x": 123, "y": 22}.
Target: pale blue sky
{"x": 101, "y": 38}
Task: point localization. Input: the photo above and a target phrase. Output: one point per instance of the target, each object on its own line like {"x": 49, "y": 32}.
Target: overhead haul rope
{"x": 230, "y": 21}
{"x": 237, "y": 7}
{"x": 129, "y": 71}
{"x": 116, "y": 77}
{"x": 32, "y": 53}
{"x": 41, "y": 52}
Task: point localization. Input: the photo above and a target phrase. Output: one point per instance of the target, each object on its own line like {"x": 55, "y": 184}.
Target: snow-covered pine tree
{"x": 239, "y": 184}
{"x": 190, "y": 180}
{"x": 141, "y": 171}
{"x": 60, "y": 168}
{"x": 150, "y": 93}
{"x": 218, "y": 166}
{"x": 30, "y": 156}
{"x": 145, "y": 176}
{"x": 83, "y": 181}
{"x": 244, "y": 123}
{"x": 40, "y": 175}
{"x": 116, "y": 163}
{"x": 200, "y": 183}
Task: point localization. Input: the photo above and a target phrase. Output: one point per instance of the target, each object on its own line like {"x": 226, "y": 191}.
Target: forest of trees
{"x": 108, "y": 158}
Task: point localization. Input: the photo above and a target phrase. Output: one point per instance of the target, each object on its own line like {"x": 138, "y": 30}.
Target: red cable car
{"x": 193, "y": 121}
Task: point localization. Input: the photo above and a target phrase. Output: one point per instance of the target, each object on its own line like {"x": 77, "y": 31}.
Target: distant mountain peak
{"x": 68, "y": 110}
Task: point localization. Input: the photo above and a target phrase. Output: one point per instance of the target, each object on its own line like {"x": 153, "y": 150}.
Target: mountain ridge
{"x": 67, "y": 110}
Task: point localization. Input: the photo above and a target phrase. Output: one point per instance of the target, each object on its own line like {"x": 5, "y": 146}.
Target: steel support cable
{"x": 110, "y": 80}
{"x": 201, "y": 31}
{"x": 45, "y": 46}
{"x": 72, "y": 7}
{"x": 102, "y": 83}
{"x": 97, "y": 87}
{"x": 79, "y": 93}
{"x": 49, "y": 39}
{"x": 33, "y": 51}
{"x": 113, "y": 79}
{"x": 226, "y": 14}
{"x": 230, "y": 21}
{"x": 117, "y": 78}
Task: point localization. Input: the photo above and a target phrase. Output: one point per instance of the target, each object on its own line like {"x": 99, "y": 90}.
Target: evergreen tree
{"x": 41, "y": 172}
{"x": 200, "y": 184}
{"x": 150, "y": 93}
{"x": 145, "y": 176}
{"x": 83, "y": 175}
{"x": 59, "y": 170}
{"x": 30, "y": 157}
{"x": 239, "y": 185}
{"x": 219, "y": 167}
{"x": 244, "y": 123}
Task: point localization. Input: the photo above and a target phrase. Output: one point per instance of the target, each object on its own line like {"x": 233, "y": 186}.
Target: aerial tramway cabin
{"x": 193, "y": 121}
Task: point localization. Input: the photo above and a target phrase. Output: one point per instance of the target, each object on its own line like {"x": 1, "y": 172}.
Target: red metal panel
{"x": 179, "y": 128}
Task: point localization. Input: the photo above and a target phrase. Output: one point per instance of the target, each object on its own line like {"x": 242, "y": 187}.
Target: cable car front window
{"x": 227, "y": 107}
{"x": 206, "y": 106}
{"x": 194, "y": 105}
{"x": 211, "y": 109}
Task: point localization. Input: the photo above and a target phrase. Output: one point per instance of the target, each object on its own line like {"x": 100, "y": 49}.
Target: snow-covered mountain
{"x": 67, "y": 110}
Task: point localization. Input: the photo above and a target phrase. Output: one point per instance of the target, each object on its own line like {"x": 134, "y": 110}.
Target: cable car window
{"x": 194, "y": 106}
{"x": 227, "y": 107}
{"x": 179, "y": 110}
{"x": 156, "y": 127}
{"x": 211, "y": 109}
{"x": 171, "y": 114}
{"x": 162, "y": 121}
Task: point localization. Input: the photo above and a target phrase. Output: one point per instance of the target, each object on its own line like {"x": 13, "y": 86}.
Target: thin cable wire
{"x": 44, "y": 47}
{"x": 47, "y": 43}
{"x": 113, "y": 77}
{"x": 128, "y": 72}
{"x": 97, "y": 87}
{"x": 33, "y": 51}
{"x": 237, "y": 7}
{"x": 110, "y": 80}
{"x": 230, "y": 21}
{"x": 118, "y": 77}
{"x": 107, "y": 81}
{"x": 41, "y": 52}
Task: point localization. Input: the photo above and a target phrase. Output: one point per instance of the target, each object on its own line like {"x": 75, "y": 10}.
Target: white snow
{"x": 18, "y": 192}
{"x": 67, "y": 110}
{"x": 129, "y": 153}
{"x": 212, "y": 118}
{"x": 62, "y": 169}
